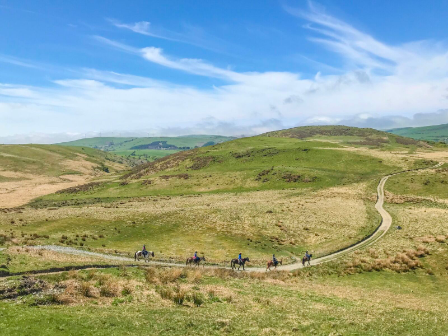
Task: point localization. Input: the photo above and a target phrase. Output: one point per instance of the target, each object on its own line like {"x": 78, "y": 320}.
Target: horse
{"x": 271, "y": 263}
{"x": 139, "y": 254}
{"x": 195, "y": 261}
{"x": 305, "y": 259}
{"x": 235, "y": 262}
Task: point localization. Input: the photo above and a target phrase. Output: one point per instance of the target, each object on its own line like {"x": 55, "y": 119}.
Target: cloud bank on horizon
{"x": 378, "y": 85}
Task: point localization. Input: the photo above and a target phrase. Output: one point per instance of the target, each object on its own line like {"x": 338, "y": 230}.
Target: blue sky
{"x": 71, "y": 68}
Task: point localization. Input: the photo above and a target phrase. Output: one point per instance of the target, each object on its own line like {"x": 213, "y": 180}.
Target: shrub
{"x": 85, "y": 288}
{"x": 197, "y": 298}
{"x": 126, "y": 291}
{"x": 165, "y": 292}
{"x": 150, "y": 275}
{"x": 169, "y": 275}
{"x": 109, "y": 289}
{"x": 179, "y": 295}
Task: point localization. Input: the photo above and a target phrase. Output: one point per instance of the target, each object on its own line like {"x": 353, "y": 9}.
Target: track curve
{"x": 380, "y": 231}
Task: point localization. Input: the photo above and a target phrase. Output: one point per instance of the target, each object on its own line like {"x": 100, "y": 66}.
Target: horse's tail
{"x": 135, "y": 256}
{"x": 186, "y": 263}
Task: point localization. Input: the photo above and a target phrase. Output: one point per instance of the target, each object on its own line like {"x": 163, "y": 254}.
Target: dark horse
{"x": 195, "y": 261}
{"x": 235, "y": 262}
{"x": 306, "y": 259}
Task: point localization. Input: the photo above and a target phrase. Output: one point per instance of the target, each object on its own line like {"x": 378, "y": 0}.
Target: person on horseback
{"x": 196, "y": 255}
{"x": 274, "y": 260}
{"x": 144, "y": 251}
{"x": 240, "y": 259}
{"x": 307, "y": 255}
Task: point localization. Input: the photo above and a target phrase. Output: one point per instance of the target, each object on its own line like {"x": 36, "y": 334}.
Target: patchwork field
{"x": 144, "y": 149}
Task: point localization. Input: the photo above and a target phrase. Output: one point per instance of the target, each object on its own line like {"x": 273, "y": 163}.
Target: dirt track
{"x": 386, "y": 222}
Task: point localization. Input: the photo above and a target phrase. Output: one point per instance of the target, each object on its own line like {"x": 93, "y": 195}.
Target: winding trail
{"x": 380, "y": 231}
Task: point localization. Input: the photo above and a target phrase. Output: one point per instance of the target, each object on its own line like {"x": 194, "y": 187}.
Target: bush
{"x": 165, "y": 292}
{"x": 126, "y": 291}
{"x": 197, "y": 298}
{"x": 179, "y": 295}
{"x": 109, "y": 289}
{"x": 86, "y": 289}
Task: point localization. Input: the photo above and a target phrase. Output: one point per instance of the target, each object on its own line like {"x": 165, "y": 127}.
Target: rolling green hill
{"x": 308, "y": 158}
{"x": 148, "y": 148}
{"x": 438, "y": 133}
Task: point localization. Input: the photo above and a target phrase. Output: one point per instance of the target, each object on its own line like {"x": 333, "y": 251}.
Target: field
{"x": 438, "y": 133}
{"x": 284, "y": 192}
{"x": 143, "y": 149}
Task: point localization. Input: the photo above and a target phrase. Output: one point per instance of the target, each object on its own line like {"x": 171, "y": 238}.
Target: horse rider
{"x": 196, "y": 255}
{"x": 144, "y": 251}
{"x": 274, "y": 260}
{"x": 307, "y": 256}
{"x": 240, "y": 259}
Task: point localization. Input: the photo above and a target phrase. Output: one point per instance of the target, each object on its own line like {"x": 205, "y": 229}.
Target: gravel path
{"x": 386, "y": 222}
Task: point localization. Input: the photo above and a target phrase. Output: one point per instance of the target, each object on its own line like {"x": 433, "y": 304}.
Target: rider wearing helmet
{"x": 144, "y": 251}
{"x": 274, "y": 259}
{"x": 240, "y": 259}
{"x": 307, "y": 255}
{"x": 196, "y": 255}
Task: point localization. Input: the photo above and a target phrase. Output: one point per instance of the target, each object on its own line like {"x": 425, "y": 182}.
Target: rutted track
{"x": 380, "y": 231}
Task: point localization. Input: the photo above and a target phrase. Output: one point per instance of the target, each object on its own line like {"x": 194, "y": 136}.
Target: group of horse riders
{"x": 240, "y": 259}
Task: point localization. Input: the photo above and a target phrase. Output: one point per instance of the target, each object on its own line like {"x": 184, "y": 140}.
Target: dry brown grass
{"x": 316, "y": 220}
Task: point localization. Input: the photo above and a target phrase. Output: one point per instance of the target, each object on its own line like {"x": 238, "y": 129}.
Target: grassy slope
{"x": 432, "y": 133}
{"x": 123, "y": 145}
{"x": 245, "y": 165}
{"x": 48, "y": 160}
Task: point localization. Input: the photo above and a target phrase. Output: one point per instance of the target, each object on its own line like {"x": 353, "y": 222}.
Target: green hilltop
{"x": 437, "y": 133}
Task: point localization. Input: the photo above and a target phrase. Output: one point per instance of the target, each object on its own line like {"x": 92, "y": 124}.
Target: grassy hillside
{"x": 28, "y": 171}
{"x": 304, "y": 158}
{"x": 259, "y": 195}
{"x": 283, "y": 192}
{"x": 438, "y": 133}
{"x": 148, "y": 148}
{"x": 51, "y": 160}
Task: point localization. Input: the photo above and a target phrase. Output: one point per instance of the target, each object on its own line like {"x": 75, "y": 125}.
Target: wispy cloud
{"x": 194, "y": 66}
{"x": 19, "y": 62}
{"x": 116, "y": 44}
{"x": 190, "y": 34}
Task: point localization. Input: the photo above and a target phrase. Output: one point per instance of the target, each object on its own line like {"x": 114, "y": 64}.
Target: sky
{"x": 73, "y": 69}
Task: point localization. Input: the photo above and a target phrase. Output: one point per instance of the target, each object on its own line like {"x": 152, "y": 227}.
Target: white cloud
{"x": 381, "y": 86}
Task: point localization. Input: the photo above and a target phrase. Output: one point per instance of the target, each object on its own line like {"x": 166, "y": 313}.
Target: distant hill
{"x": 148, "y": 148}
{"x": 437, "y": 133}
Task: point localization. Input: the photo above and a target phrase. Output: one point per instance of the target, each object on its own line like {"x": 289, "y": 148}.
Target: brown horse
{"x": 306, "y": 259}
{"x": 195, "y": 261}
{"x": 235, "y": 262}
{"x": 271, "y": 263}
